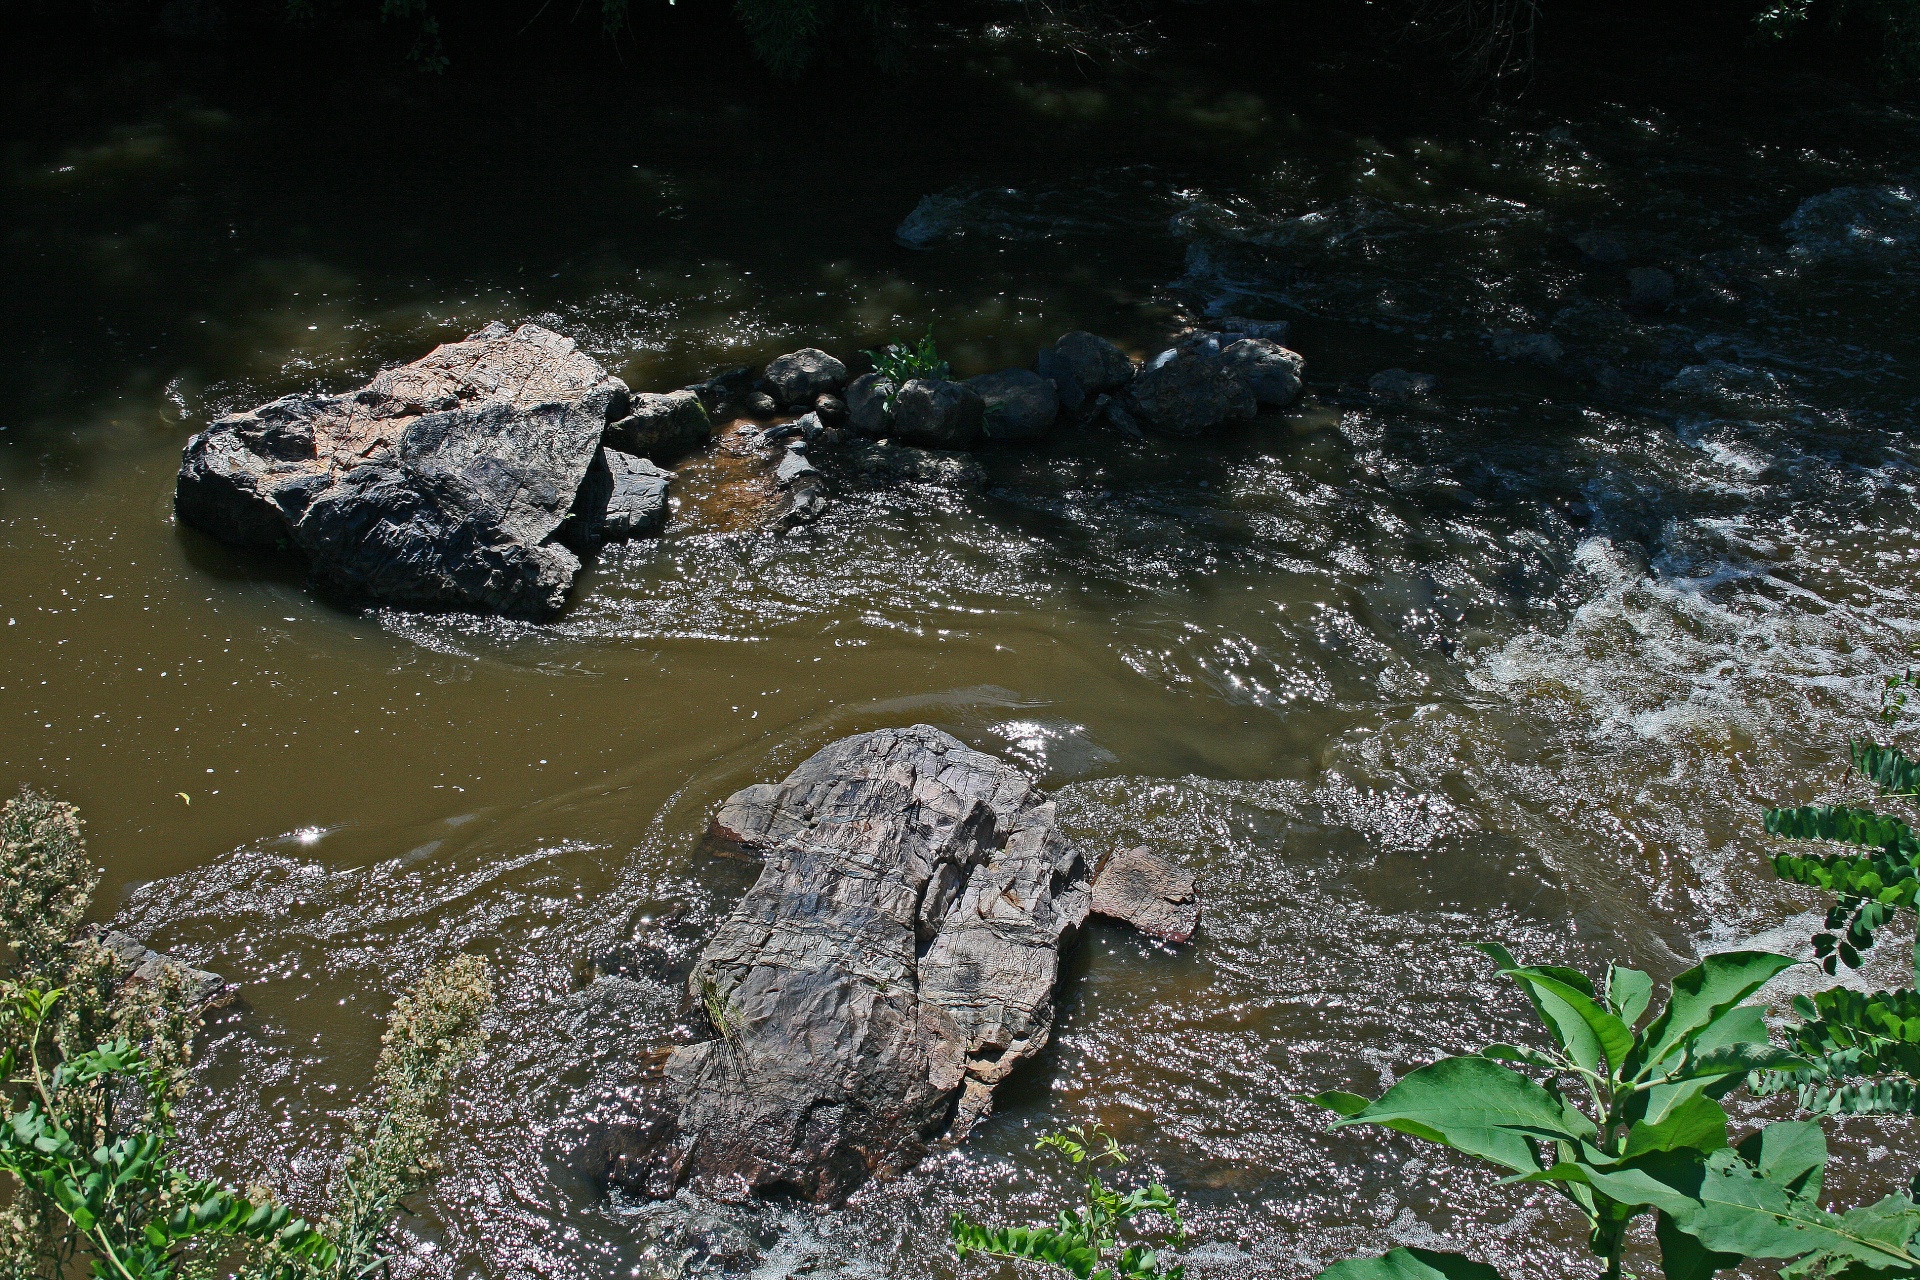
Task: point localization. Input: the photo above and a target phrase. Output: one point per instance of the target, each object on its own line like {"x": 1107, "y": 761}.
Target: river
{"x": 1521, "y": 662}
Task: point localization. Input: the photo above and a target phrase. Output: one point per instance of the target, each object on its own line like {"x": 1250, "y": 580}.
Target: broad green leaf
{"x": 1792, "y": 1154}
{"x": 1411, "y": 1264}
{"x": 1346, "y": 1104}
{"x": 1701, "y": 996}
{"x": 1569, "y": 1030}
{"x": 1604, "y": 1032}
{"x": 1477, "y": 1106}
{"x": 1696, "y": 1123}
{"x": 1628, "y": 991}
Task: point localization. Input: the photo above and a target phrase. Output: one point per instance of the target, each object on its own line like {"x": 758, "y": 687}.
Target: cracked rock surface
{"x": 895, "y": 961}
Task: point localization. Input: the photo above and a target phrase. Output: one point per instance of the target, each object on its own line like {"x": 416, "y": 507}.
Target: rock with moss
{"x": 894, "y": 962}
{"x": 662, "y": 425}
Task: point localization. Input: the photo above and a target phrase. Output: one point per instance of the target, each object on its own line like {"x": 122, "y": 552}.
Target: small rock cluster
{"x": 480, "y": 476}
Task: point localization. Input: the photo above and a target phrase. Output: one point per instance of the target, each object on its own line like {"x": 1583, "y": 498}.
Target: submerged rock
{"x": 894, "y": 963}
{"x": 1020, "y": 404}
{"x": 1649, "y": 288}
{"x": 938, "y": 414}
{"x": 1864, "y": 223}
{"x": 887, "y": 462}
{"x": 1148, "y": 892}
{"x": 801, "y": 376}
{"x": 442, "y": 483}
{"x": 1403, "y": 384}
{"x": 666, "y": 424}
{"x": 1540, "y": 348}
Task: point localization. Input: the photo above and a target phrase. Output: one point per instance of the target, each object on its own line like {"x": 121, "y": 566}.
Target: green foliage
{"x": 1624, "y": 1118}
{"x": 1411, "y": 1264}
{"x": 91, "y": 1063}
{"x": 1083, "y": 1241}
{"x": 897, "y": 364}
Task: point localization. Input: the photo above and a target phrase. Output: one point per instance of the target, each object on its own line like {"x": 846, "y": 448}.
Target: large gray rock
{"x": 1188, "y": 390}
{"x": 1020, "y": 404}
{"x": 894, "y": 963}
{"x": 1270, "y": 371}
{"x": 936, "y": 414}
{"x": 799, "y": 377}
{"x": 1082, "y": 366}
{"x": 867, "y": 397}
{"x": 442, "y": 483}
{"x": 662, "y": 425}
{"x": 135, "y": 961}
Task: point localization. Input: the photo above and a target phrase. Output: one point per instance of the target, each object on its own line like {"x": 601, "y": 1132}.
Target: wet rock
{"x": 894, "y": 963}
{"x": 1083, "y": 366}
{"x": 1865, "y": 223}
{"x": 1186, "y": 391}
{"x": 1146, "y": 891}
{"x": 867, "y": 397}
{"x": 799, "y": 377}
{"x": 1649, "y": 288}
{"x": 759, "y": 404}
{"x": 935, "y": 218}
{"x": 1539, "y": 348}
{"x": 1267, "y": 330}
{"x": 1403, "y": 384}
{"x": 721, "y": 392}
{"x": 793, "y": 465}
{"x": 691, "y": 1236}
{"x": 137, "y": 962}
{"x": 662, "y": 425}
{"x": 937, "y": 414}
{"x": 831, "y": 410}
{"x": 1725, "y": 386}
{"x": 442, "y": 483}
{"x": 1602, "y": 247}
{"x": 1270, "y": 371}
{"x": 624, "y": 497}
{"x": 1019, "y": 404}
{"x": 885, "y": 462}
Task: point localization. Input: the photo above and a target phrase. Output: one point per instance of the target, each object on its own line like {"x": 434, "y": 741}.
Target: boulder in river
{"x": 1187, "y": 390}
{"x": 1083, "y": 366}
{"x": 1148, "y": 892}
{"x": 937, "y": 414}
{"x": 1019, "y": 404}
{"x": 894, "y": 962}
{"x": 801, "y": 376}
{"x": 135, "y": 961}
{"x": 1270, "y": 371}
{"x": 662, "y": 425}
{"x": 867, "y": 397}
{"x": 443, "y": 483}
{"x": 623, "y": 497}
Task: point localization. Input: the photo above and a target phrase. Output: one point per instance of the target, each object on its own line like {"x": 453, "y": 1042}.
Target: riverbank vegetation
{"x": 94, "y": 1059}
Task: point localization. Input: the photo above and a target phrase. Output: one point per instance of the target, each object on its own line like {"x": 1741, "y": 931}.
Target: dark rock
{"x": 793, "y": 465}
{"x": 806, "y": 493}
{"x": 938, "y": 414}
{"x": 886, "y": 462}
{"x": 1148, "y": 892}
{"x": 1270, "y": 371}
{"x": 1083, "y": 365}
{"x": 799, "y": 377}
{"x": 1728, "y": 387}
{"x": 1540, "y": 348}
{"x": 442, "y": 483}
{"x": 1269, "y": 330}
{"x": 1186, "y": 391}
{"x": 831, "y": 410}
{"x": 662, "y": 425}
{"x": 721, "y": 391}
{"x": 1400, "y": 384}
{"x": 1019, "y": 404}
{"x": 624, "y": 497}
{"x": 867, "y": 397}
{"x": 1865, "y": 224}
{"x": 759, "y": 404}
{"x": 1649, "y": 288}
{"x": 137, "y": 962}
{"x": 1602, "y": 247}
{"x": 894, "y": 963}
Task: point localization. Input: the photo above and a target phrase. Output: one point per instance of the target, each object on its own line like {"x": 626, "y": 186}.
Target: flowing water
{"x": 1521, "y": 662}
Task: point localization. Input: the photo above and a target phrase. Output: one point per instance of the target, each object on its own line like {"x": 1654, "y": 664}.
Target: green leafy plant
{"x": 898, "y": 364}
{"x": 1083, "y": 1241}
{"x": 92, "y": 1063}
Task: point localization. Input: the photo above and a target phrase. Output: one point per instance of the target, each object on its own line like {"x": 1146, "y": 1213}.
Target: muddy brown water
{"x": 1523, "y": 662}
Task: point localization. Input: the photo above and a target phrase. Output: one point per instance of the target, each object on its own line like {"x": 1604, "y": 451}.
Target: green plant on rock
{"x": 1083, "y": 1241}
{"x": 897, "y": 364}
{"x": 91, "y": 1066}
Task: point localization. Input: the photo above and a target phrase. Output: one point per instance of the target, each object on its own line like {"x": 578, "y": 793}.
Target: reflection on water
{"x": 1521, "y": 661}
